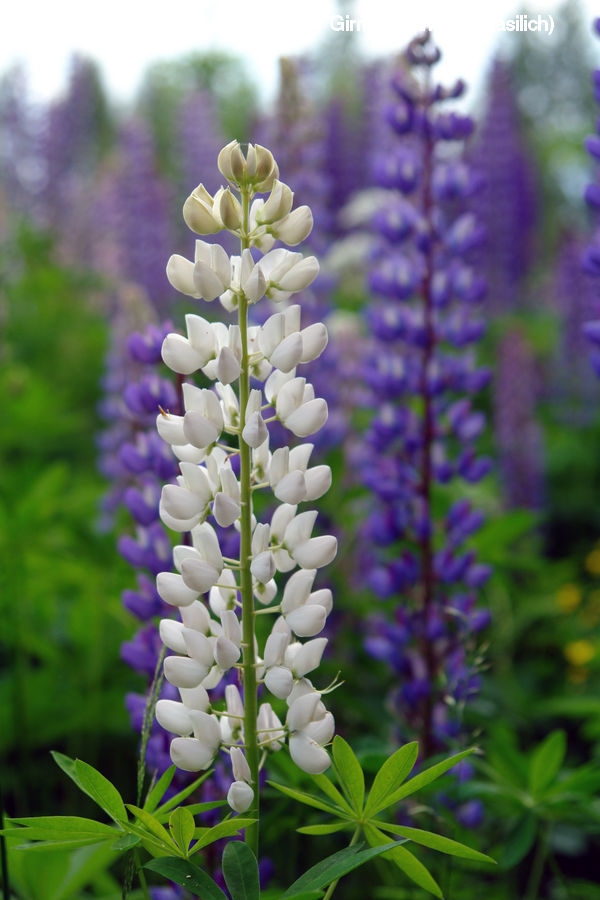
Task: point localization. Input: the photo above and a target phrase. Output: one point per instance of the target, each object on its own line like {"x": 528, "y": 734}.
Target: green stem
{"x": 537, "y": 868}
{"x": 142, "y": 877}
{"x": 335, "y": 883}
{"x": 249, "y": 656}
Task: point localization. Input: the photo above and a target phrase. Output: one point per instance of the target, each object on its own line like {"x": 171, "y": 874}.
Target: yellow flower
{"x": 578, "y": 653}
{"x": 568, "y": 597}
{"x": 592, "y": 562}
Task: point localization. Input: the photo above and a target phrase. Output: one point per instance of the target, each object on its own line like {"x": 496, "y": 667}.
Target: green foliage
{"x": 52, "y": 833}
{"x": 240, "y": 871}
{"x": 533, "y": 794}
{"x": 351, "y": 812}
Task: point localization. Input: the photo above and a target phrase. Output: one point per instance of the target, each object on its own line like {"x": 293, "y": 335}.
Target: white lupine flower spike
{"x": 220, "y": 435}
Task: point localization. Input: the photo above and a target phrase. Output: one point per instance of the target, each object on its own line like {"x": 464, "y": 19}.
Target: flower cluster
{"x": 423, "y": 434}
{"x": 591, "y": 256}
{"x": 221, "y": 439}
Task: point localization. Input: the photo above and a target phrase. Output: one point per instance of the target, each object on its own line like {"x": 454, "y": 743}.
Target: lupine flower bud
{"x": 198, "y": 212}
{"x": 277, "y": 206}
{"x": 295, "y": 227}
{"x": 240, "y": 796}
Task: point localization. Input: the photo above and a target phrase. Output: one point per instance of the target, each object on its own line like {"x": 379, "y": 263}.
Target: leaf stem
{"x": 334, "y": 884}
{"x": 142, "y": 877}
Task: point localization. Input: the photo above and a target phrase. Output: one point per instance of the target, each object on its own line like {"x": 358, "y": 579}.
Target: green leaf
{"x": 194, "y": 808}
{"x": 178, "y": 799}
{"x": 306, "y": 895}
{"x": 546, "y": 761}
{"x": 327, "y": 786}
{"x": 436, "y": 842}
{"x": 308, "y": 799}
{"x": 334, "y": 867}
{"x": 158, "y": 791}
{"x": 350, "y": 773}
{"x": 126, "y": 842}
{"x": 240, "y": 871}
{"x": 404, "y": 859}
{"x": 519, "y": 842}
{"x": 57, "y": 845}
{"x": 153, "y": 827}
{"x": 186, "y": 874}
{"x": 327, "y": 828}
{"x": 390, "y": 777}
{"x": 60, "y": 827}
{"x": 101, "y": 790}
{"x": 67, "y": 765}
{"x": 182, "y": 827}
{"x": 424, "y": 778}
{"x": 206, "y": 836}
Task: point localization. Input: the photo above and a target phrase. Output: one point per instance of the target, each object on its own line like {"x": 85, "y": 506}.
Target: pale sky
{"x": 125, "y": 35}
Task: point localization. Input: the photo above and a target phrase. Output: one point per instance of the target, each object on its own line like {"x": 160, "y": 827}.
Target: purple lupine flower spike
{"x": 518, "y": 434}
{"x": 422, "y": 373}
{"x": 591, "y": 254}
{"x": 133, "y": 220}
{"x": 507, "y": 203}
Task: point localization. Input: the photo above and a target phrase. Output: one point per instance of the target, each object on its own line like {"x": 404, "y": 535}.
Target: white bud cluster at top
{"x": 207, "y": 642}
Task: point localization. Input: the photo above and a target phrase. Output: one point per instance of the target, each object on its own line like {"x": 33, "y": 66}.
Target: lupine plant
{"x": 221, "y": 438}
{"x": 591, "y": 256}
{"x": 424, "y": 429}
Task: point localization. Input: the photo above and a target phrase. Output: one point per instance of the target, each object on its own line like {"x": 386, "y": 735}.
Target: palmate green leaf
{"x": 189, "y": 876}
{"x": 546, "y": 761}
{"x": 154, "y": 829}
{"x": 424, "y": 778}
{"x": 206, "y": 836}
{"x": 183, "y": 794}
{"x": 158, "y": 791}
{"x": 326, "y": 828}
{"x": 101, "y": 790}
{"x": 390, "y": 777}
{"x": 435, "y": 842}
{"x": 240, "y": 871}
{"x": 404, "y": 859}
{"x": 334, "y": 867}
{"x": 328, "y": 788}
{"x": 182, "y": 827}
{"x": 349, "y": 773}
{"x": 308, "y": 799}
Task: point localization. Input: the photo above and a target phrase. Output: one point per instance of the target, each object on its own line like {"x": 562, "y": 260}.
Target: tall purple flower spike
{"x": 518, "y": 434}
{"x": 507, "y": 202}
{"x": 422, "y": 437}
{"x": 591, "y": 255}
{"x": 133, "y": 230}
{"x": 575, "y": 389}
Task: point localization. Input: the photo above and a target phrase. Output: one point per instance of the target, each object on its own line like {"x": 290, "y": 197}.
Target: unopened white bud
{"x": 240, "y": 796}
{"x": 295, "y": 227}
{"x": 198, "y": 212}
